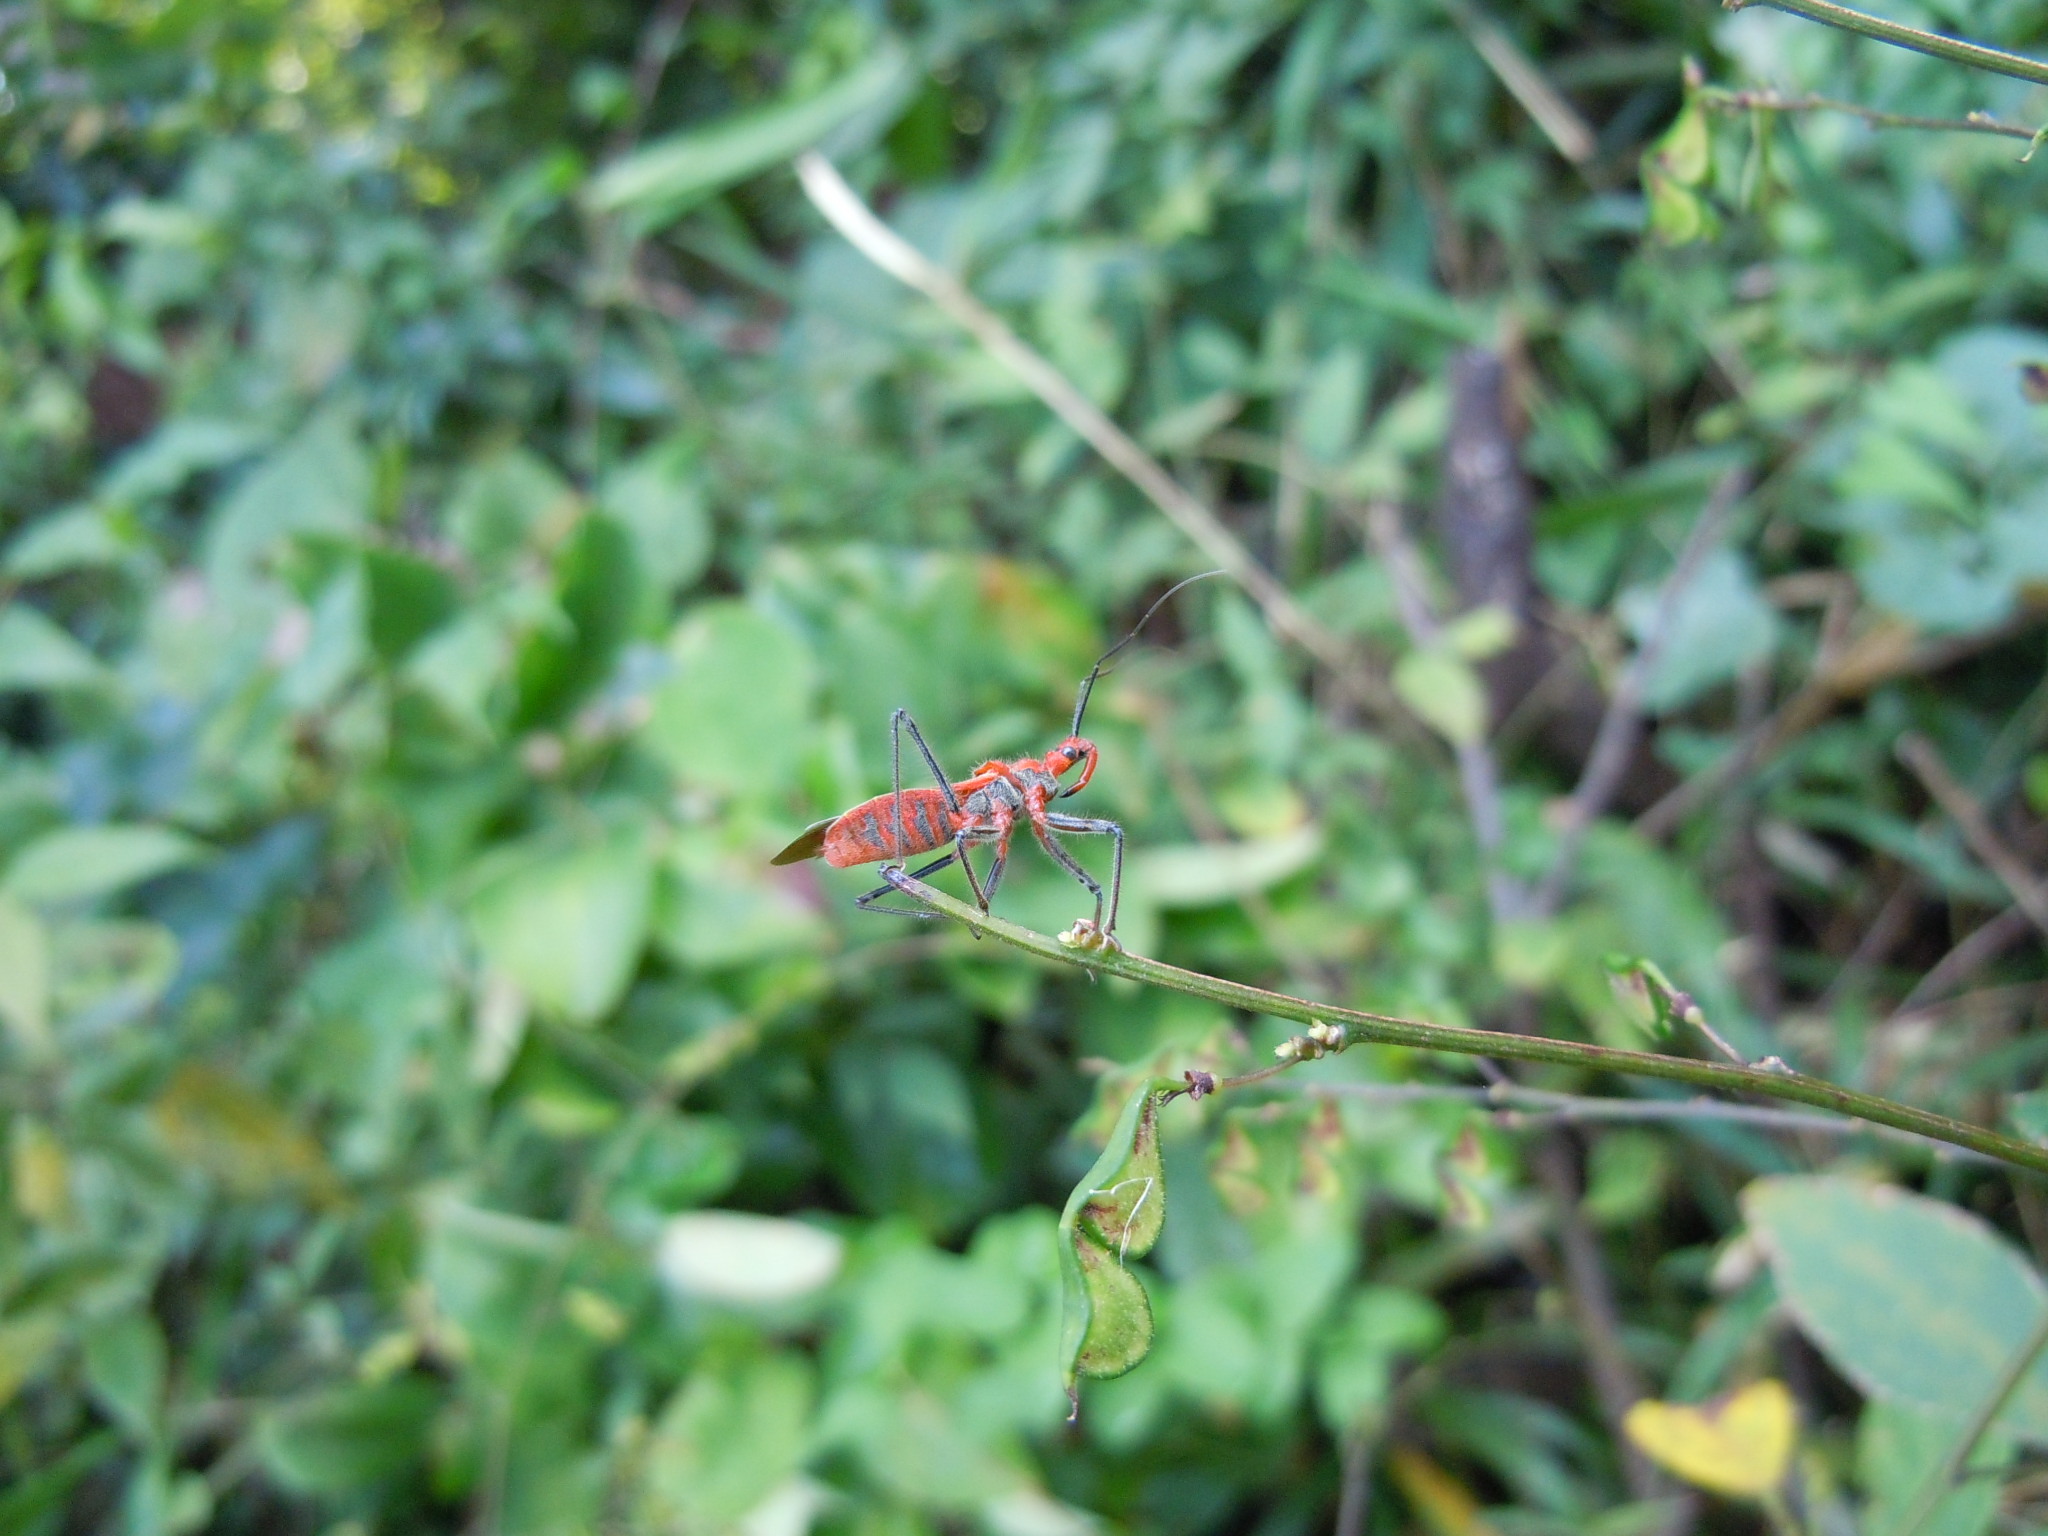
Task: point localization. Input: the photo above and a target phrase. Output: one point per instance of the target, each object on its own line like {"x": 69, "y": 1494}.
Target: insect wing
{"x": 807, "y": 844}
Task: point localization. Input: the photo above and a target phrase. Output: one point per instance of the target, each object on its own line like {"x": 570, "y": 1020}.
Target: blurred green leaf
{"x": 1918, "y": 1303}
{"x": 1626, "y": 1177}
{"x": 658, "y": 498}
{"x": 76, "y": 864}
{"x": 318, "y": 482}
{"x": 125, "y": 1361}
{"x": 1203, "y": 874}
{"x": 24, "y": 975}
{"x": 1898, "y": 1448}
{"x": 597, "y": 579}
{"x": 727, "y": 1439}
{"x": 1719, "y": 625}
{"x": 346, "y": 1440}
{"x": 566, "y": 916}
{"x": 1356, "y": 1357}
{"x": 409, "y": 598}
{"x": 1441, "y": 687}
{"x": 28, "y": 1342}
{"x": 35, "y": 654}
{"x": 736, "y": 716}
{"x": 665, "y": 179}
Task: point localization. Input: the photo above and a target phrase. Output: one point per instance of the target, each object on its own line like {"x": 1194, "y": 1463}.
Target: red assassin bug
{"x": 982, "y": 808}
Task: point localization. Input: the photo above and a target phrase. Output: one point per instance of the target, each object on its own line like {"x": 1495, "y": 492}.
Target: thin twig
{"x": 1721, "y": 99}
{"x": 1614, "y": 745}
{"x": 1360, "y": 1026}
{"x": 1354, "y": 1493}
{"x": 1954, "y": 49}
{"x": 844, "y": 210}
{"x": 1478, "y": 774}
{"x": 1977, "y": 947}
{"x": 1526, "y": 1108}
{"x": 1885, "y": 652}
{"x": 1918, "y": 754}
{"x": 1546, "y": 106}
{"x": 1935, "y": 1487}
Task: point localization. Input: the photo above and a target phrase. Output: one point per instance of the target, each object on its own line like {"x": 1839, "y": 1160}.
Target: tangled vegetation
{"x": 476, "y": 478}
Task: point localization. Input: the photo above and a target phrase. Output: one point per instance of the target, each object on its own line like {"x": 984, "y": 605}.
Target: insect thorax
{"x": 1000, "y": 792}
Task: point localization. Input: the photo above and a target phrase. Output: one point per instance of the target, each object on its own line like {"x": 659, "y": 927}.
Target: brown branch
{"x": 1918, "y": 754}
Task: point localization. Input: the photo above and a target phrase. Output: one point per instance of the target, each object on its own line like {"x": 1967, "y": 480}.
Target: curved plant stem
{"x": 1954, "y": 49}
{"x": 1387, "y": 1029}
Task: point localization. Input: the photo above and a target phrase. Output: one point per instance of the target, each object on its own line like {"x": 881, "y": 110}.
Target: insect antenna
{"x": 1088, "y": 682}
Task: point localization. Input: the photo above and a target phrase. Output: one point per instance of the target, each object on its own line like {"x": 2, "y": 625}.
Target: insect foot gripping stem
{"x": 1085, "y": 935}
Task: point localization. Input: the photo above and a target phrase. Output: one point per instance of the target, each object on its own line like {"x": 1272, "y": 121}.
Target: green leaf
{"x": 566, "y": 917}
{"x": 2028, "y": 1114}
{"x": 125, "y": 1359}
{"x": 1482, "y": 632}
{"x": 1114, "y": 1215}
{"x": 1684, "y": 153}
{"x": 409, "y": 598}
{"x": 665, "y": 179}
{"x": 1649, "y": 999}
{"x": 1915, "y": 1301}
{"x": 345, "y": 1441}
{"x": 658, "y": 498}
{"x": 76, "y": 539}
{"x": 504, "y": 501}
{"x": 729, "y": 1437}
{"x": 25, "y": 1501}
{"x": 109, "y": 972}
{"x": 1331, "y": 403}
{"x": 736, "y": 717}
{"x": 1203, "y": 874}
{"x": 24, "y": 975}
{"x": 596, "y": 581}
{"x": 86, "y": 863}
{"x": 1626, "y": 1177}
{"x": 1355, "y": 1357}
{"x": 27, "y": 1343}
{"x": 1444, "y": 691}
{"x": 318, "y": 482}
{"x": 37, "y": 654}
{"x": 1897, "y": 1449}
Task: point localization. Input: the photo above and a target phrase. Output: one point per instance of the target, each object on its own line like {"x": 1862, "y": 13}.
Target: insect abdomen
{"x": 867, "y": 833}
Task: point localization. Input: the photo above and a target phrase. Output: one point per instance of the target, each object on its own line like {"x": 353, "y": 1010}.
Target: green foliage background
{"x": 463, "y": 511}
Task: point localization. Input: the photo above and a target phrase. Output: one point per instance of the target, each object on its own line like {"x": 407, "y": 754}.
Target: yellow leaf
{"x": 39, "y": 1172}
{"x": 222, "y": 1126}
{"x": 1444, "y": 1504}
{"x": 1738, "y": 1444}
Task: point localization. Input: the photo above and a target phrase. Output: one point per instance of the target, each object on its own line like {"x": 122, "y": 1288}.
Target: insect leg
{"x": 897, "y": 723}
{"x": 1071, "y": 865}
{"x": 1061, "y": 823}
{"x": 867, "y": 903}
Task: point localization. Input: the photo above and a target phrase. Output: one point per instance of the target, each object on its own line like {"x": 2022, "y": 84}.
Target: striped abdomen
{"x": 867, "y": 833}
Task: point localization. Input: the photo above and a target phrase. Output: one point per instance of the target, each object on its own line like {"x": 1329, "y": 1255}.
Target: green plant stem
{"x": 1944, "y": 1477}
{"x": 1387, "y": 1029}
{"x": 1717, "y": 98}
{"x": 1954, "y": 49}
